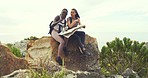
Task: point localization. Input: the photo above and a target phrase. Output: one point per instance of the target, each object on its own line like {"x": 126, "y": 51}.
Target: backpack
{"x": 52, "y": 27}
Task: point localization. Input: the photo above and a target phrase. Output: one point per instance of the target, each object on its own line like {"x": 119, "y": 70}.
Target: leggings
{"x": 59, "y": 39}
{"x": 81, "y": 37}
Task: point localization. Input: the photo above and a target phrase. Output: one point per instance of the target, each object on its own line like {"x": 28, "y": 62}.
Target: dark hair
{"x": 77, "y": 15}
{"x": 65, "y": 9}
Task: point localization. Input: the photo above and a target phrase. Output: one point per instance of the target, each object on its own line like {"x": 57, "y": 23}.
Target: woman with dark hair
{"x": 73, "y": 21}
{"x": 57, "y": 26}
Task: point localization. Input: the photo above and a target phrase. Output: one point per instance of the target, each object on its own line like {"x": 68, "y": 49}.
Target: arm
{"x": 70, "y": 25}
{"x": 56, "y": 20}
{"x": 79, "y": 21}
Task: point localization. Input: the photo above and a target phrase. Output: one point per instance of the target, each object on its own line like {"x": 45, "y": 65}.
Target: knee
{"x": 83, "y": 33}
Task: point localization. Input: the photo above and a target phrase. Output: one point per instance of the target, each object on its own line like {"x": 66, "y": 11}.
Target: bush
{"x": 43, "y": 74}
{"x": 14, "y": 50}
{"x": 31, "y": 38}
{"x": 46, "y": 71}
{"x": 119, "y": 55}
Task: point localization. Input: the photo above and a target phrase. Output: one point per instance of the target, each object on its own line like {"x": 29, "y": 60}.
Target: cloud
{"x": 33, "y": 16}
{"x": 117, "y": 16}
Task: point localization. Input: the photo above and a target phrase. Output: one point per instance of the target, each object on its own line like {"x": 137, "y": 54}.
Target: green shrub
{"x": 14, "y": 50}
{"x": 43, "y": 74}
{"x": 119, "y": 55}
{"x": 59, "y": 74}
{"x": 31, "y": 38}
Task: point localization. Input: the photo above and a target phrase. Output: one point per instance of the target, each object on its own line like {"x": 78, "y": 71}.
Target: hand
{"x": 78, "y": 19}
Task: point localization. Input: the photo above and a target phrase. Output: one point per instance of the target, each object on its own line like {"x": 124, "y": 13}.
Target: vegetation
{"x": 42, "y": 74}
{"x": 14, "y": 50}
{"x": 31, "y": 38}
{"x": 45, "y": 73}
{"x": 119, "y": 55}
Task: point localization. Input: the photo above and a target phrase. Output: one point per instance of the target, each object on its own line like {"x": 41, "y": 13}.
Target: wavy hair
{"x": 77, "y": 15}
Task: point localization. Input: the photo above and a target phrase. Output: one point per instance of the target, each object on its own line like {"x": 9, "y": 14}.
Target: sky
{"x": 104, "y": 19}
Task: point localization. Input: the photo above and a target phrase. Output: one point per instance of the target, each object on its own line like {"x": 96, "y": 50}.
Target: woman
{"x": 73, "y": 21}
{"x": 57, "y": 26}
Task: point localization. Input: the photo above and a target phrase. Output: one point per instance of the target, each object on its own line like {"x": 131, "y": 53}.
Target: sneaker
{"x": 83, "y": 51}
{"x": 59, "y": 60}
{"x": 86, "y": 53}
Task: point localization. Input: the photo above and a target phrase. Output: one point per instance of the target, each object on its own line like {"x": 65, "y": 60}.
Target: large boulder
{"x": 46, "y": 48}
{"x": 75, "y": 60}
{"x": 9, "y": 62}
{"x": 38, "y": 51}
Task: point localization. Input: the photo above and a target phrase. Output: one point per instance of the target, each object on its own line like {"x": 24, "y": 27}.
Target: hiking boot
{"x": 59, "y": 60}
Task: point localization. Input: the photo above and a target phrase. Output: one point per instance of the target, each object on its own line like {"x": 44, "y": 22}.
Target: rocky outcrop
{"x": 39, "y": 51}
{"x": 9, "y": 62}
{"x": 46, "y": 48}
{"x": 77, "y": 61}
{"x": 22, "y": 45}
{"x": 130, "y": 73}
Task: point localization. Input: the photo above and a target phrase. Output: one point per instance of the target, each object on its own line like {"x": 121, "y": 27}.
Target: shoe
{"x": 83, "y": 51}
{"x": 59, "y": 60}
{"x": 86, "y": 53}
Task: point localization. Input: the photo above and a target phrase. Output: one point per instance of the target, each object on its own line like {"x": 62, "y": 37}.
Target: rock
{"x": 46, "y": 48}
{"x": 129, "y": 72}
{"x": 116, "y": 76}
{"x": 57, "y": 70}
{"x": 82, "y": 74}
{"x": 22, "y": 45}
{"x": 25, "y": 73}
{"x": 30, "y": 44}
{"x": 39, "y": 51}
{"x": 75, "y": 60}
{"x": 9, "y": 62}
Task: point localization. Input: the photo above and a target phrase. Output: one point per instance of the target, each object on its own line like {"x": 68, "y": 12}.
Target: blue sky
{"x": 23, "y": 18}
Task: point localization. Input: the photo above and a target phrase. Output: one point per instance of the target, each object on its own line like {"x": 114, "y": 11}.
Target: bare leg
{"x": 56, "y": 36}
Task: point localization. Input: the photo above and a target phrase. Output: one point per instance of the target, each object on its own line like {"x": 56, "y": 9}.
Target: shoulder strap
{"x": 50, "y": 25}
{"x": 70, "y": 18}
{"x": 65, "y": 23}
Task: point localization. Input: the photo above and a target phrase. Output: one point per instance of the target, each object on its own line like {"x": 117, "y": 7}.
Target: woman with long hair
{"x": 73, "y": 21}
